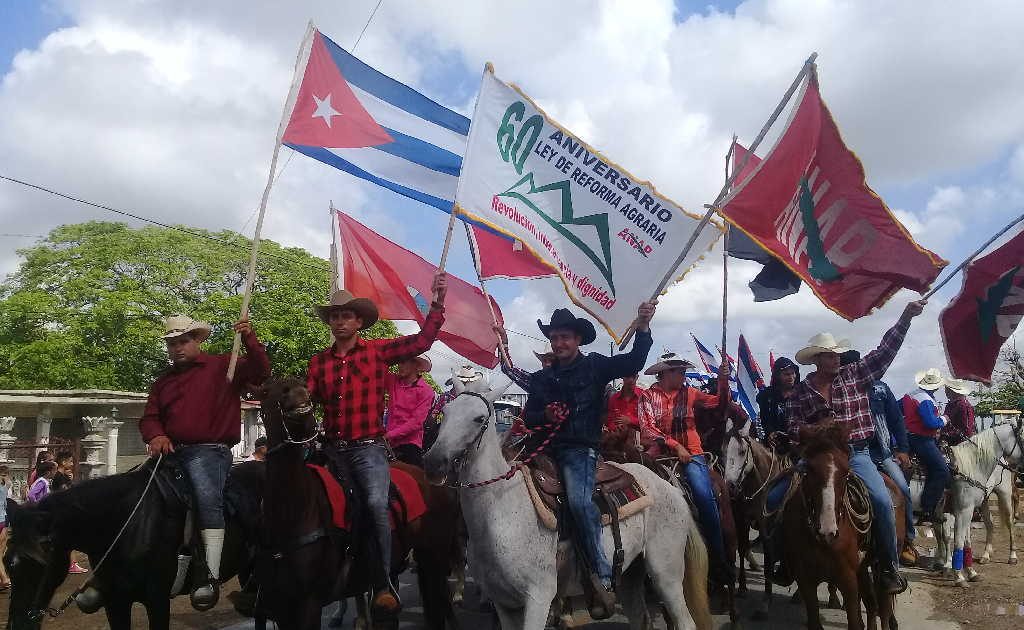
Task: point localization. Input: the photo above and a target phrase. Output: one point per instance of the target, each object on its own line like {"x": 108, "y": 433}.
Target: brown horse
{"x": 306, "y": 563}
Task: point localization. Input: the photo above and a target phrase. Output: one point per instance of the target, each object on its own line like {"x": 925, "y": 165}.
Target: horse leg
{"x": 119, "y": 614}
{"x": 805, "y": 586}
{"x": 833, "y": 598}
{"x": 362, "y": 620}
{"x": 158, "y": 610}
{"x": 990, "y": 530}
{"x": 432, "y": 579}
{"x": 631, "y": 596}
{"x": 308, "y": 614}
{"x": 1004, "y": 496}
{"x": 851, "y": 597}
{"x": 743, "y": 546}
{"x": 868, "y": 595}
{"x": 961, "y": 532}
{"x": 663, "y": 568}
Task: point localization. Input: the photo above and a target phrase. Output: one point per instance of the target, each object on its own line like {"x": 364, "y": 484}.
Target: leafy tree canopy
{"x": 1007, "y": 389}
{"x": 85, "y": 307}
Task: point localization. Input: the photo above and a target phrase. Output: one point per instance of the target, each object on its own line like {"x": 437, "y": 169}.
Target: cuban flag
{"x": 350, "y": 116}
{"x": 749, "y": 381}
{"x": 708, "y": 358}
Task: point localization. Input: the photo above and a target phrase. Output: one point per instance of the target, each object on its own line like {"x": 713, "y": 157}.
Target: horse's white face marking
{"x": 735, "y": 460}
{"x": 829, "y": 526}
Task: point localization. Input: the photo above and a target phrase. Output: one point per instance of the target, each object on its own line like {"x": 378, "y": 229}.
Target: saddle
{"x": 407, "y": 502}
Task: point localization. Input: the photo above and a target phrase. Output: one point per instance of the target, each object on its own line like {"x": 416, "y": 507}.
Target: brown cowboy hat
{"x": 364, "y": 308}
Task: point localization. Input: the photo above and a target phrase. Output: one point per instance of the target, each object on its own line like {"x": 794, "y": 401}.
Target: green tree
{"x": 1007, "y": 384}
{"x": 85, "y": 307}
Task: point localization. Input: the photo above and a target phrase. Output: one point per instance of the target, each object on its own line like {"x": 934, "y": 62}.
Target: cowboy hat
{"x": 822, "y": 342}
{"x": 668, "y": 361}
{"x": 929, "y": 380}
{"x": 466, "y": 374}
{"x": 563, "y": 318}
{"x": 342, "y": 299}
{"x": 958, "y": 386}
{"x": 178, "y": 325}
{"x": 423, "y": 363}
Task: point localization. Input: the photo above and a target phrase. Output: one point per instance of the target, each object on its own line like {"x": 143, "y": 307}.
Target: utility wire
{"x": 368, "y": 20}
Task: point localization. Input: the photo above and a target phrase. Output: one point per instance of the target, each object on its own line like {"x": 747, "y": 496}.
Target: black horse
{"x": 142, "y": 566}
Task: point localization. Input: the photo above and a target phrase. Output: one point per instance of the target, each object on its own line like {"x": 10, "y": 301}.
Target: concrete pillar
{"x": 43, "y": 421}
{"x": 6, "y": 439}
{"x": 112, "y": 424}
{"x": 252, "y": 428}
{"x": 93, "y": 447}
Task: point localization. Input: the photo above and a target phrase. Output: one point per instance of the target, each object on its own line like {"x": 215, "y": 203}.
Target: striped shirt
{"x": 851, "y": 389}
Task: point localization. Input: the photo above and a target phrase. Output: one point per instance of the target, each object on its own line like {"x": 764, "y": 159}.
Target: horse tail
{"x": 695, "y": 577}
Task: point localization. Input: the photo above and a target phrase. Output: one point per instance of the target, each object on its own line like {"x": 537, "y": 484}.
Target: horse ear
{"x": 495, "y": 394}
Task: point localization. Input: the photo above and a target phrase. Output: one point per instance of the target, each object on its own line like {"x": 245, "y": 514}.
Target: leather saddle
{"x": 548, "y": 480}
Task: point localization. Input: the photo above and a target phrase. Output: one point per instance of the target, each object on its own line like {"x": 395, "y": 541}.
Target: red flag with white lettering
{"x": 982, "y": 317}
{"x": 398, "y": 281}
{"x": 503, "y": 257}
{"x": 808, "y": 204}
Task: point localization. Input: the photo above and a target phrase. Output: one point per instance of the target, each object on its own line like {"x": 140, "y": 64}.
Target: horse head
{"x": 738, "y": 458}
{"x": 28, "y": 551}
{"x": 827, "y": 467}
{"x": 288, "y": 412}
{"x": 464, "y": 421}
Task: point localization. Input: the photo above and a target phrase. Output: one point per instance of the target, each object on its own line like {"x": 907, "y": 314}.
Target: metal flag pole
{"x": 474, "y": 251}
{"x": 804, "y": 71}
{"x": 977, "y": 253}
{"x": 251, "y": 275}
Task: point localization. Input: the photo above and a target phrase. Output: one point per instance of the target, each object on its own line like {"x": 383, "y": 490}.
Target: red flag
{"x": 771, "y": 361}
{"x": 739, "y": 153}
{"x": 808, "y": 203}
{"x": 502, "y": 257}
{"x": 398, "y": 281}
{"x": 985, "y": 313}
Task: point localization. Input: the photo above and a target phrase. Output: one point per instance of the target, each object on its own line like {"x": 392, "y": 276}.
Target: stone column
{"x": 43, "y": 421}
{"x": 6, "y": 439}
{"x": 112, "y": 424}
{"x": 92, "y": 464}
{"x": 252, "y": 428}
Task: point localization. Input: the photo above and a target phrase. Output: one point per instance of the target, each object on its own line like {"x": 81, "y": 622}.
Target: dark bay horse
{"x": 306, "y": 563}
{"x": 141, "y": 567}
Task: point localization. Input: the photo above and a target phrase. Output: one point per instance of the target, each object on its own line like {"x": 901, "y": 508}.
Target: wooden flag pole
{"x": 251, "y": 275}
{"x": 725, "y": 260}
{"x": 973, "y": 256}
{"x": 475, "y": 253}
{"x": 808, "y": 65}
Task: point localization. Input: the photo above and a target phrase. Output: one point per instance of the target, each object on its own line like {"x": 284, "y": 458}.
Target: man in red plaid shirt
{"x": 842, "y": 394}
{"x": 348, "y": 379}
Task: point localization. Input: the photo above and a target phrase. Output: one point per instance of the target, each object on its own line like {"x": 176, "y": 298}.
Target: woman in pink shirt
{"x": 409, "y": 400}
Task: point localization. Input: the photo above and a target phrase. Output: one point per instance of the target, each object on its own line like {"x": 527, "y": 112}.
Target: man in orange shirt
{"x": 624, "y": 405}
{"x": 668, "y": 427}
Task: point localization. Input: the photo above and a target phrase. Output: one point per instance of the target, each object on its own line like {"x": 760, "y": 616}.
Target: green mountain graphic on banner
{"x": 988, "y": 309}
{"x": 598, "y": 221}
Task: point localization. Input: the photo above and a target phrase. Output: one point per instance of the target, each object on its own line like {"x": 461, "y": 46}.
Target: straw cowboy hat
{"x": 563, "y": 318}
{"x": 178, "y": 325}
{"x": 668, "y": 361}
{"x": 822, "y": 342}
{"x": 364, "y": 308}
{"x": 958, "y": 386}
{"x": 466, "y": 374}
{"x": 423, "y": 363}
{"x": 929, "y": 380}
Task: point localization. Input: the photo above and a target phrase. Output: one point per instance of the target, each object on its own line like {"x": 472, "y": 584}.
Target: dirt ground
{"x": 996, "y": 602}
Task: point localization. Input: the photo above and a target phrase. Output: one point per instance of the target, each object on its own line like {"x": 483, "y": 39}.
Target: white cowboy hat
{"x": 822, "y": 342}
{"x": 423, "y": 363}
{"x": 178, "y": 325}
{"x": 959, "y": 386}
{"x": 929, "y": 380}
{"x": 466, "y": 374}
{"x": 668, "y": 361}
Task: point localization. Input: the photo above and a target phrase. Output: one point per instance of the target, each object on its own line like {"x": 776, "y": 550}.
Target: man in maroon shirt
{"x": 349, "y": 379}
{"x": 195, "y": 413}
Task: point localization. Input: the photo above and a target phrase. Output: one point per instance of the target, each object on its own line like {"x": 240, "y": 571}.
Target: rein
{"x": 37, "y": 615}
{"x": 551, "y": 428}
{"x": 753, "y": 466}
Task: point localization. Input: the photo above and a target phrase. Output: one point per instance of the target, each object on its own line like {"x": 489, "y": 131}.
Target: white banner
{"x": 610, "y": 236}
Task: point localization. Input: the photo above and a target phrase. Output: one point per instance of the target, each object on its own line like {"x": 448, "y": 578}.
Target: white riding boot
{"x": 205, "y": 597}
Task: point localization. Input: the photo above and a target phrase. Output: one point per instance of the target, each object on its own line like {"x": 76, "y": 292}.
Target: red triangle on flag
{"x": 327, "y": 112}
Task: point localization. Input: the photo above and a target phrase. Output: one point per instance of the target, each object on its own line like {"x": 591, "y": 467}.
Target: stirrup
{"x": 205, "y": 596}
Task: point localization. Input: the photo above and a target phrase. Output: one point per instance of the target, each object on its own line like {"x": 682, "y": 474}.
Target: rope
{"x": 67, "y": 602}
{"x": 767, "y": 478}
{"x": 561, "y": 412}
{"x": 857, "y": 494}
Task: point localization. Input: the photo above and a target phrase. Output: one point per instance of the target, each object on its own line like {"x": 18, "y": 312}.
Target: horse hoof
{"x": 974, "y": 578}
{"x": 982, "y": 560}
{"x": 960, "y": 583}
{"x": 1012, "y": 561}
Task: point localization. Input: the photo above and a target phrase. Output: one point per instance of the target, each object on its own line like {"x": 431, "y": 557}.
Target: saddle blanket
{"x": 406, "y": 498}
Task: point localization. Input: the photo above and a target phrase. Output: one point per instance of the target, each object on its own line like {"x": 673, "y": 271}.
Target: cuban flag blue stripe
{"x": 398, "y": 94}
{"x": 422, "y": 153}
{"x": 325, "y": 156}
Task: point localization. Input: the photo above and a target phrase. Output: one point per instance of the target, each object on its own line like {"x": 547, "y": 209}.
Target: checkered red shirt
{"x": 850, "y": 390}
{"x": 351, "y": 387}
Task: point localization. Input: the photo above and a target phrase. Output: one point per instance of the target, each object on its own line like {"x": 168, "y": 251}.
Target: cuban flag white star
{"x": 324, "y": 109}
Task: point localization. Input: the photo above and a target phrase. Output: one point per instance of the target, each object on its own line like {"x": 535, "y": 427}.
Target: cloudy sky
{"x": 169, "y": 109}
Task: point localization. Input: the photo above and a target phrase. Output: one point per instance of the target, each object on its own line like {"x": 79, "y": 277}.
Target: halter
{"x": 1016, "y": 470}
{"x": 298, "y": 412}
{"x": 478, "y": 440}
{"x": 749, "y": 459}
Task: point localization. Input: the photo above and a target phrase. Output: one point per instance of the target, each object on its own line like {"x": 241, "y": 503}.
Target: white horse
{"x": 980, "y": 461}
{"x": 513, "y": 555}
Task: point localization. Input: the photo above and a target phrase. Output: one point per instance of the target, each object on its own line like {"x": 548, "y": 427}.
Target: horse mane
{"x": 977, "y": 456}
{"x": 819, "y": 438}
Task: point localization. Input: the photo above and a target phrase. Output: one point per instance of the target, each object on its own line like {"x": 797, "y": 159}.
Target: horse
{"x": 306, "y": 563}
{"x": 824, "y": 534}
{"x": 142, "y": 563}
{"x": 978, "y": 461}
{"x": 515, "y": 553}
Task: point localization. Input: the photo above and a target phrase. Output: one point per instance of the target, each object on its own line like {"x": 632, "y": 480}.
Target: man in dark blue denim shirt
{"x": 574, "y": 386}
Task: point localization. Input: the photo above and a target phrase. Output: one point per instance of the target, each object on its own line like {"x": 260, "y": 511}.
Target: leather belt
{"x": 343, "y": 444}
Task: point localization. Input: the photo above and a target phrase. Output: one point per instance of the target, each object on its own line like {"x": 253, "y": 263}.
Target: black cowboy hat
{"x": 563, "y": 318}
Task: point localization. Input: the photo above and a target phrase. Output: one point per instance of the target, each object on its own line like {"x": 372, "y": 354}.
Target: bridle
{"x": 300, "y": 412}
{"x": 483, "y": 423}
{"x": 1018, "y": 443}
{"x": 749, "y": 464}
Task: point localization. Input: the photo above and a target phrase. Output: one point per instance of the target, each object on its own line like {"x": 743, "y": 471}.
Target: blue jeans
{"x": 884, "y": 523}
{"x": 883, "y": 458}
{"x": 370, "y": 470}
{"x": 207, "y": 467}
{"x": 937, "y": 475}
{"x": 707, "y": 506}
{"x": 578, "y": 466}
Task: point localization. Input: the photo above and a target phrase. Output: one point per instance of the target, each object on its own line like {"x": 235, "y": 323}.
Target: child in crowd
{"x": 5, "y": 488}
{"x": 41, "y": 486}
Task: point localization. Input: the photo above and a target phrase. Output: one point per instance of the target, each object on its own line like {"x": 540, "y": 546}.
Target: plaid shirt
{"x": 851, "y": 403}
{"x": 351, "y": 386}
